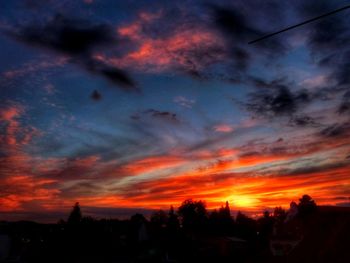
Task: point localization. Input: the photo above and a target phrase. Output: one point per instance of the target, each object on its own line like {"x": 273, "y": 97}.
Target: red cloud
{"x": 188, "y": 47}
{"x": 9, "y": 115}
{"x": 152, "y": 164}
{"x": 16, "y": 167}
{"x": 24, "y": 189}
{"x": 223, "y": 128}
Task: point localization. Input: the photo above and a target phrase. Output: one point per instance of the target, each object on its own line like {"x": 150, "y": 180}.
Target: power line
{"x": 300, "y": 24}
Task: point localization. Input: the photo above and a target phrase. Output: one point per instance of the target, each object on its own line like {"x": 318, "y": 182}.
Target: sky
{"x": 131, "y": 105}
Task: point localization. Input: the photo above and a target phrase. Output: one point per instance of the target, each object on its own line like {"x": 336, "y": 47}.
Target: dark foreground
{"x": 320, "y": 234}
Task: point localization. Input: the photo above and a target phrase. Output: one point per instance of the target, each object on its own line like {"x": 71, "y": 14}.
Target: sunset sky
{"x": 134, "y": 105}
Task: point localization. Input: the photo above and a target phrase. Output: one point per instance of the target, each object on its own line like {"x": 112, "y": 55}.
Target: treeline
{"x": 192, "y": 216}
{"x": 190, "y": 233}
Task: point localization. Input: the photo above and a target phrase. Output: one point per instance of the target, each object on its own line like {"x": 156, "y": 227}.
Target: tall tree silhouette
{"x": 220, "y": 221}
{"x": 75, "y": 216}
{"x": 193, "y": 214}
{"x": 173, "y": 220}
{"x": 265, "y": 227}
{"x": 225, "y": 212}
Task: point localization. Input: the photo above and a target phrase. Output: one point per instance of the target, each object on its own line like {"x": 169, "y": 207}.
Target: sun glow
{"x": 243, "y": 201}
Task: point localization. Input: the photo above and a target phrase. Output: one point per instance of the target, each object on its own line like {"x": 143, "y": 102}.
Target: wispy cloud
{"x": 184, "y": 102}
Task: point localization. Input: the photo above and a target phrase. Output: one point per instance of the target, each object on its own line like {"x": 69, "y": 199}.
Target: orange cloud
{"x": 242, "y": 190}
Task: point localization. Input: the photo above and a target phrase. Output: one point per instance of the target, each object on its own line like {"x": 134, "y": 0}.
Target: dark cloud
{"x": 335, "y": 130}
{"x": 71, "y": 36}
{"x": 342, "y": 73}
{"x": 237, "y": 25}
{"x": 276, "y": 101}
{"x": 339, "y": 65}
{"x": 78, "y": 39}
{"x": 232, "y": 22}
{"x": 72, "y": 168}
{"x": 329, "y": 33}
{"x": 329, "y": 38}
{"x": 234, "y": 28}
{"x": 282, "y": 98}
{"x": 238, "y": 30}
{"x": 112, "y": 74}
{"x": 302, "y": 120}
{"x": 344, "y": 107}
{"x": 316, "y": 168}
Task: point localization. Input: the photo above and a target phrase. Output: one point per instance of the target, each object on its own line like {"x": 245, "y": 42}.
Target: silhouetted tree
{"x": 221, "y": 221}
{"x": 306, "y": 205}
{"x": 265, "y": 227}
{"x": 245, "y": 226}
{"x": 173, "y": 220}
{"x": 193, "y": 214}
{"x": 225, "y": 212}
{"x": 279, "y": 214}
{"x": 75, "y": 216}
